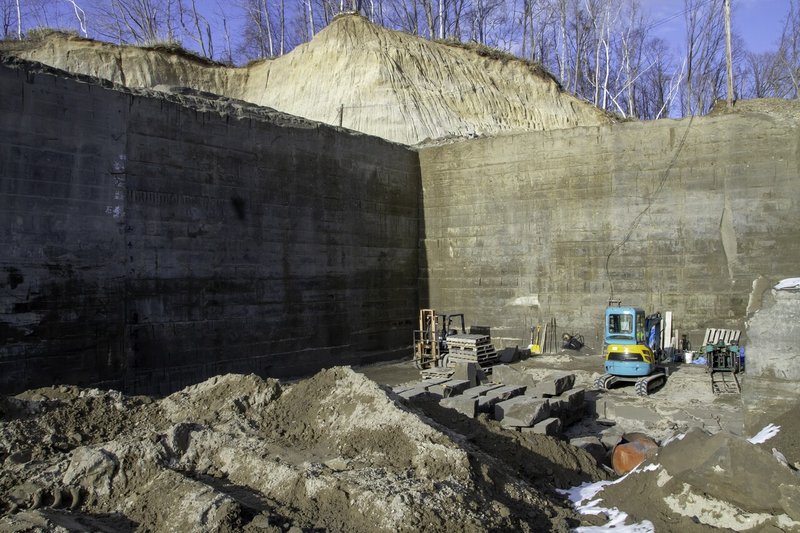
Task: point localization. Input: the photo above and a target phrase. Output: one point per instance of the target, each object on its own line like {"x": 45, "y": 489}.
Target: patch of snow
{"x": 673, "y": 438}
{"x": 578, "y": 495}
{"x": 788, "y": 284}
{"x": 765, "y": 434}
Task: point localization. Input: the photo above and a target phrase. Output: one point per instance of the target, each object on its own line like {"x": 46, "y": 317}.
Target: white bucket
{"x": 688, "y": 356}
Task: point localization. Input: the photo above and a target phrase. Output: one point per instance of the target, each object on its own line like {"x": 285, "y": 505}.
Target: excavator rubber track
{"x": 643, "y": 386}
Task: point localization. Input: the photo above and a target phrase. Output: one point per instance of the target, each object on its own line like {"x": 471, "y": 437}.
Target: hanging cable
{"x": 638, "y": 219}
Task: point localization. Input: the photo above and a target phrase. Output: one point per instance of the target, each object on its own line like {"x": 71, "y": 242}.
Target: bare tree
{"x": 143, "y": 22}
{"x": 705, "y": 64}
{"x": 200, "y": 30}
{"x": 7, "y": 18}
{"x": 789, "y": 48}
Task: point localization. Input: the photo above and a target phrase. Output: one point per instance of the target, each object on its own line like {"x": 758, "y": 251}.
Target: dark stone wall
{"x": 148, "y": 244}
{"x": 669, "y": 215}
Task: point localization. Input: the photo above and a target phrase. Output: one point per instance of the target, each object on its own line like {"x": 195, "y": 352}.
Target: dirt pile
{"x": 703, "y": 482}
{"x": 236, "y": 452}
{"x": 354, "y": 74}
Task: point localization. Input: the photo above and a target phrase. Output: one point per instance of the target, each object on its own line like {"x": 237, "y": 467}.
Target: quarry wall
{"x": 147, "y": 245}
{"x": 148, "y": 242}
{"x": 521, "y": 228}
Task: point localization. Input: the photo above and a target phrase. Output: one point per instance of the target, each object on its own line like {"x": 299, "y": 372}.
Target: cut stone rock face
{"x": 485, "y": 403}
{"x": 450, "y": 388}
{"x": 510, "y": 376}
{"x": 464, "y": 405}
{"x": 471, "y": 372}
{"x": 550, "y": 426}
{"x": 521, "y": 411}
{"x": 553, "y": 385}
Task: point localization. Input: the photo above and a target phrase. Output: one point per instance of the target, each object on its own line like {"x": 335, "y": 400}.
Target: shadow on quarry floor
{"x": 540, "y": 460}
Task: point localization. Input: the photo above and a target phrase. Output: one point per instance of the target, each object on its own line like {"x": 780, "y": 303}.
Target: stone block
{"x": 549, "y": 426}
{"x": 610, "y": 437}
{"x": 509, "y": 355}
{"x": 450, "y": 388}
{"x": 558, "y": 406}
{"x": 521, "y": 411}
{"x": 511, "y": 376}
{"x": 402, "y": 388}
{"x": 591, "y": 445}
{"x": 471, "y": 372}
{"x": 432, "y": 382}
{"x": 480, "y": 390}
{"x": 575, "y": 408}
{"x": 487, "y": 402}
{"x": 465, "y": 406}
{"x": 553, "y": 385}
{"x": 418, "y": 393}
{"x": 602, "y": 407}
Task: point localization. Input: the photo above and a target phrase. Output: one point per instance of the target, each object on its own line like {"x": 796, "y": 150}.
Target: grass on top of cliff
{"x": 500, "y": 55}
{"x": 167, "y": 46}
{"x": 175, "y": 48}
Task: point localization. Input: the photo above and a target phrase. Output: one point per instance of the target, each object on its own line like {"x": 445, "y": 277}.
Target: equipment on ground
{"x": 721, "y": 350}
{"x": 470, "y": 348}
{"x": 536, "y": 339}
{"x": 572, "y": 342}
{"x": 430, "y": 340}
{"x": 628, "y": 356}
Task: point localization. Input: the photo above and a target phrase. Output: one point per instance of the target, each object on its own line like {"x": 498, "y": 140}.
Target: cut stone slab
{"x": 465, "y": 406}
{"x": 418, "y": 393}
{"x": 450, "y": 388}
{"x": 402, "y": 388}
{"x": 427, "y": 383}
{"x": 553, "y": 385}
{"x": 575, "y": 397}
{"x": 575, "y": 406}
{"x": 610, "y": 437}
{"x": 509, "y": 355}
{"x": 521, "y": 411}
{"x": 500, "y": 394}
{"x": 600, "y": 407}
{"x": 471, "y": 372}
{"x": 480, "y": 390}
{"x": 511, "y": 376}
{"x": 558, "y": 406}
{"x": 591, "y": 445}
{"x": 549, "y": 426}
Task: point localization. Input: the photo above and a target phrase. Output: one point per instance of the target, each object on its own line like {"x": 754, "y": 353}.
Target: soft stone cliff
{"x": 355, "y": 74}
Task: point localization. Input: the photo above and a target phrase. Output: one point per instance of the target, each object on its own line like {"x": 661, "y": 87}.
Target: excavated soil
{"x": 238, "y": 453}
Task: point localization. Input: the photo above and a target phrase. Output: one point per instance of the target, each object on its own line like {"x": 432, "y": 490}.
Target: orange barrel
{"x": 628, "y": 455}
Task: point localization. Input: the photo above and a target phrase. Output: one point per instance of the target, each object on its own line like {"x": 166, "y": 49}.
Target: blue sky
{"x": 758, "y": 22}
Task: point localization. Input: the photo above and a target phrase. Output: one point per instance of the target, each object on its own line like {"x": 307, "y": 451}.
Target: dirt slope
{"x": 237, "y": 453}
{"x": 370, "y": 79}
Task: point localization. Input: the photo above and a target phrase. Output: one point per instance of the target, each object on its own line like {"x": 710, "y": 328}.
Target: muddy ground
{"x": 341, "y": 452}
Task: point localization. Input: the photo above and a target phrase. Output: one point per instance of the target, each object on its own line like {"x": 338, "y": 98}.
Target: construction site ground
{"x": 686, "y": 400}
{"x": 341, "y": 451}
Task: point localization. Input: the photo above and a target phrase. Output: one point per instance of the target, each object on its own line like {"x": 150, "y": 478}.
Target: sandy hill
{"x": 353, "y": 73}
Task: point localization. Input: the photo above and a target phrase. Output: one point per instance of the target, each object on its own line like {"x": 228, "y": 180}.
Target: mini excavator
{"x": 632, "y": 349}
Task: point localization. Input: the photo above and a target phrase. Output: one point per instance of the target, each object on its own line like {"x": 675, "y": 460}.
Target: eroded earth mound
{"x": 334, "y": 452}
{"x": 353, "y": 74}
